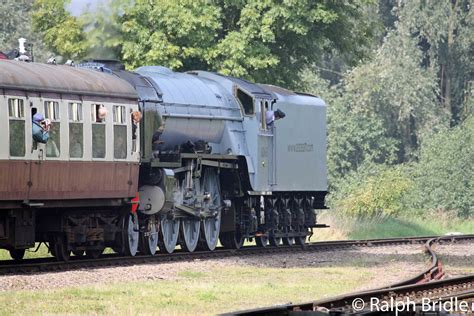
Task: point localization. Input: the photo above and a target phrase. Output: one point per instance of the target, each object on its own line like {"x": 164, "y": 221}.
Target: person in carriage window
{"x": 41, "y": 128}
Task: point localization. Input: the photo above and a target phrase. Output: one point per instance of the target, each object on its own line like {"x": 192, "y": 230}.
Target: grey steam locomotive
{"x": 204, "y": 161}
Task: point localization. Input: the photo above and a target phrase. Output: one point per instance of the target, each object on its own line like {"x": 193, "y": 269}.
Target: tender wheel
{"x": 131, "y": 235}
{"x": 168, "y": 236}
{"x": 262, "y": 241}
{"x": 274, "y": 241}
{"x": 149, "y": 239}
{"x": 231, "y": 240}
{"x": 78, "y": 253}
{"x": 94, "y": 253}
{"x": 288, "y": 241}
{"x": 17, "y": 254}
{"x": 300, "y": 240}
{"x": 211, "y": 226}
{"x": 59, "y": 249}
{"x": 190, "y": 231}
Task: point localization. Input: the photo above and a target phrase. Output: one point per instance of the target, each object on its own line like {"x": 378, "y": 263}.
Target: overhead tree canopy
{"x": 15, "y": 17}
{"x": 62, "y": 33}
{"x": 267, "y": 41}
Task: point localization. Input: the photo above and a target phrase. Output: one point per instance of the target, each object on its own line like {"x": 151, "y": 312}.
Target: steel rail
{"x": 27, "y": 266}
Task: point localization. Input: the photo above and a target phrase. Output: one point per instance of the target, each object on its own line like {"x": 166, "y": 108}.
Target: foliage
{"x": 373, "y": 191}
{"x": 444, "y": 34}
{"x": 16, "y": 16}
{"x": 443, "y": 176}
{"x": 267, "y": 41}
{"x": 62, "y": 32}
{"x": 395, "y": 90}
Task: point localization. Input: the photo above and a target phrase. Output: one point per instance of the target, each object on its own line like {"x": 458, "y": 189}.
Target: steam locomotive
{"x": 204, "y": 164}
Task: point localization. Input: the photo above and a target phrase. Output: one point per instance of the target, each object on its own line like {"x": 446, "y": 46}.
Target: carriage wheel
{"x": 17, "y": 254}
{"x": 94, "y": 253}
{"x": 59, "y": 248}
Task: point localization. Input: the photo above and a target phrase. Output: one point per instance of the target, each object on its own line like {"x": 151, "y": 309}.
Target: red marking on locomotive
{"x": 135, "y": 202}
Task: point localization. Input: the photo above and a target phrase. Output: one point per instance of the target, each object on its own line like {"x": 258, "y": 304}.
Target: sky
{"x": 78, "y": 6}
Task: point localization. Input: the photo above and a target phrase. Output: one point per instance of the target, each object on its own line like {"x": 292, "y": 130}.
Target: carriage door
{"x": 47, "y": 172}
{"x": 16, "y": 169}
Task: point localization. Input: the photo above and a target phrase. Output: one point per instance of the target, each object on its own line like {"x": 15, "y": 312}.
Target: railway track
{"x": 110, "y": 260}
{"x": 422, "y": 294}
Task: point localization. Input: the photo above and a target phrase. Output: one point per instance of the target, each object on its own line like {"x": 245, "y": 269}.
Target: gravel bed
{"x": 387, "y": 265}
{"x": 457, "y": 258}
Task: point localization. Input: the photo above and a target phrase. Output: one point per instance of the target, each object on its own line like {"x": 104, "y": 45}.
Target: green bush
{"x": 373, "y": 191}
{"x": 444, "y": 174}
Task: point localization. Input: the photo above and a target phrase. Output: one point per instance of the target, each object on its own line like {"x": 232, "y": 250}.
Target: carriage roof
{"x": 45, "y": 78}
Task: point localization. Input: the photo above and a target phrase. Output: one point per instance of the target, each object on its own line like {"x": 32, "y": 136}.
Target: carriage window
{"x": 76, "y": 132}
{"x": 98, "y": 113}
{"x": 98, "y": 140}
{"x": 75, "y": 112}
{"x": 53, "y": 146}
{"x": 246, "y": 101}
{"x": 119, "y": 114}
{"x": 120, "y": 132}
{"x": 16, "y": 113}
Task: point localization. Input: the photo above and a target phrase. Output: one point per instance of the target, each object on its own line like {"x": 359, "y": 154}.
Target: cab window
{"x": 16, "y": 113}
{"x": 246, "y": 101}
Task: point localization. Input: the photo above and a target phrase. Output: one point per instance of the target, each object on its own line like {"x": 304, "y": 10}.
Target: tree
{"x": 103, "y": 29}
{"x": 62, "y": 33}
{"x": 444, "y": 32}
{"x": 266, "y": 41}
{"x": 444, "y": 174}
{"x": 16, "y": 23}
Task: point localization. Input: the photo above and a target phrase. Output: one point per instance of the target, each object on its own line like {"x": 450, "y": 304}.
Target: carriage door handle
{"x": 40, "y": 155}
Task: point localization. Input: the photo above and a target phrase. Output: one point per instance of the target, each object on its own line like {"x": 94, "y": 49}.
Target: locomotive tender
{"x": 201, "y": 166}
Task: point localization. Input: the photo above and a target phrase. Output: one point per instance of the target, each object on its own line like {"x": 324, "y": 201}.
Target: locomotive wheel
{"x": 59, "y": 249}
{"x": 149, "y": 243}
{"x": 17, "y": 254}
{"x": 94, "y": 253}
{"x": 131, "y": 235}
{"x": 211, "y": 226}
{"x": 190, "y": 229}
{"x": 231, "y": 240}
{"x": 168, "y": 236}
{"x": 262, "y": 241}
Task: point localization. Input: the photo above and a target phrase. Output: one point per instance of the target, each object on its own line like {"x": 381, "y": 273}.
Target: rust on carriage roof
{"x": 34, "y": 77}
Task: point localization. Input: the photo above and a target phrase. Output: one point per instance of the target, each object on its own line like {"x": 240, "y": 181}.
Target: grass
{"x": 194, "y": 292}
{"x": 403, "y": 226}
